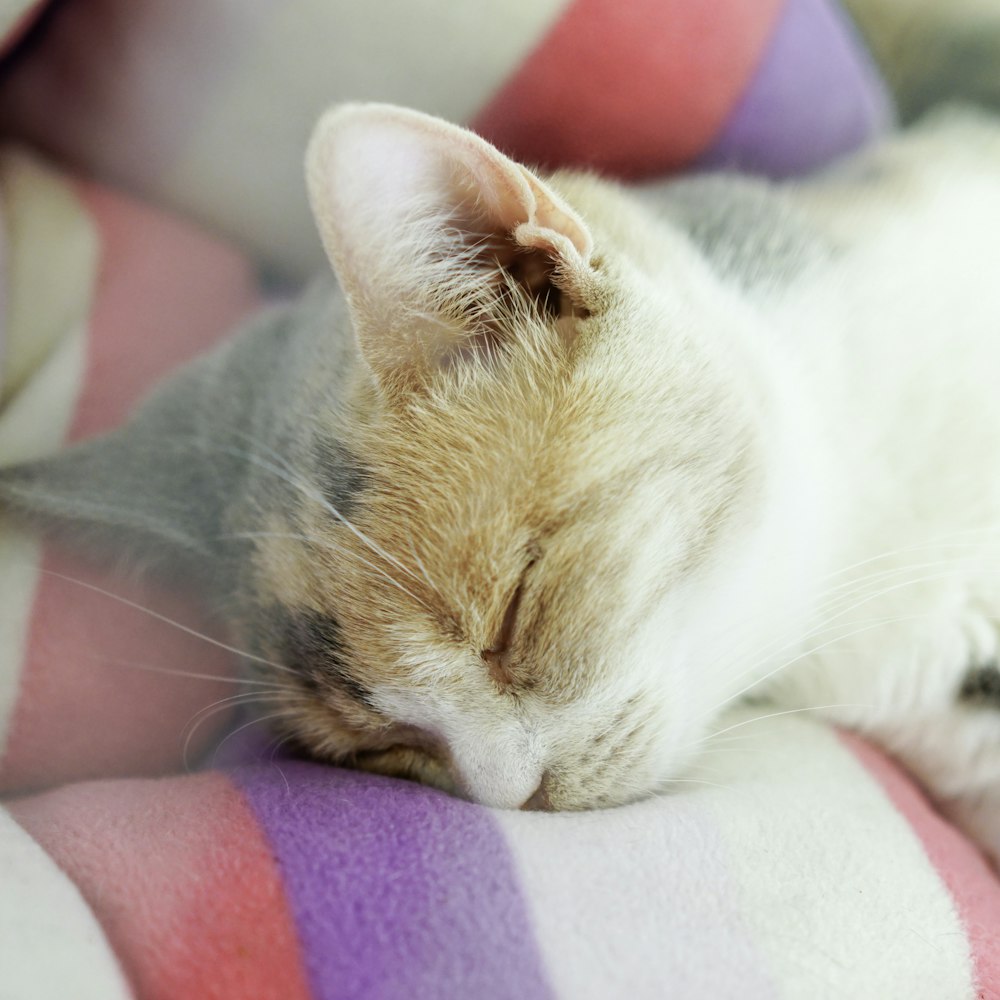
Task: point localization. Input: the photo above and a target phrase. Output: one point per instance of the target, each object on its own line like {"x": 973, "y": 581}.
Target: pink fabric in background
{"x": 971, "y": 882}
{"x": 654, "y": 100}
{"x": 166, "y": 292}
{"x": 100, "y": 695}
{"x": 183, "y": 882}
{"x": 97, "y": 696}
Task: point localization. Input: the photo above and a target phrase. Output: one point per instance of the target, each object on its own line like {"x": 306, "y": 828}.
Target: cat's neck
{"x": 778, "y": 571}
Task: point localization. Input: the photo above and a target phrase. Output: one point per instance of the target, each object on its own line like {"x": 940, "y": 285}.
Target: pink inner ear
{"x": 551, "y": 218}
{"x": 372, "y": 168}
{"x": 425, "y": 224}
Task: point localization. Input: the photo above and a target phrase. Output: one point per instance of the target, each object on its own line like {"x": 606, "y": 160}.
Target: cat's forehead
{"x": 502, "y": 456}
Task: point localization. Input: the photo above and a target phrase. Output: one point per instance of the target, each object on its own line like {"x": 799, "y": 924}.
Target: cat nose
{"x": 503, "y": 772}
{"x": 539, "y": 800}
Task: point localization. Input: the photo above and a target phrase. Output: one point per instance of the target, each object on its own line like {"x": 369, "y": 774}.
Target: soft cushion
{"x": 800, "y": 863}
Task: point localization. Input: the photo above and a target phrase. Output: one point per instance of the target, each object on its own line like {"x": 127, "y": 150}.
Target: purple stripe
{"x": 398, "y": 891}
{"x": 816, "y": 95}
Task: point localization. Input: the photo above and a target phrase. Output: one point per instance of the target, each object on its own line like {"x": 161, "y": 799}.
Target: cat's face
{"x": 523, "y": 555}
{"x": 520, "y": 598}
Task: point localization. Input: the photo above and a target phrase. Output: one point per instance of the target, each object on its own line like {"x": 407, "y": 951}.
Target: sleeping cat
{"x": 558, "y": 470}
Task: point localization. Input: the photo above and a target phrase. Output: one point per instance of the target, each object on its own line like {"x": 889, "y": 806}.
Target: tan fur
{"x": 507, "y": 472}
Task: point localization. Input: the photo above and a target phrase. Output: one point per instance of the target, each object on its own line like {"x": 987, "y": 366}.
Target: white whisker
{"x": 775, "y": 715}
{"x": 777, "y": 647}
{"x": 938, "y": 541}
{"x": 422, "y": 567}
{"x": 277, "y": 745}
{"x": 332, "y": 547}
{"x": 173, "y": 672}
{"x": 283, "y": 714}
{"x": 288, "y": 475}
{"x": 871, "y": 624}
{"x": 203, "y": 714}
{"x": 169, "y": 621}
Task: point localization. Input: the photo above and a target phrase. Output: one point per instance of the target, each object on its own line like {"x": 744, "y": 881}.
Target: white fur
{"x": 842, "y": 411}
{"x": 896, "y": 343}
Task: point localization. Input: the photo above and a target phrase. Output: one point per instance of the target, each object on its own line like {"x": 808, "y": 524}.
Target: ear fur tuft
{"x": 434, "y": 234}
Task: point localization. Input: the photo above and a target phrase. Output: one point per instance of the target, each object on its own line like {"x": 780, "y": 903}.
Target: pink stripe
{"x": 86, "y": 708}
{"x": 99, "y": 695}
{"x": 630, "y": 89}
{"x": 183, "y": 882}
{"x": 166, "y": 292}
{"x": 970, "y": 880}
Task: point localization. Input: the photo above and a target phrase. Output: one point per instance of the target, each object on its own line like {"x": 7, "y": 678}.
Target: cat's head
{"x": 553, "y": 516}
{"x": 556, "y": 457}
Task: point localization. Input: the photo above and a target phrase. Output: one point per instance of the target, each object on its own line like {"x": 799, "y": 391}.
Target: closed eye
{"x": 495, "y": 655}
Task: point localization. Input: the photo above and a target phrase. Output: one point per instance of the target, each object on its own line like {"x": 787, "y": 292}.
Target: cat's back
{"x": 947, "y": 162}
{"x": 877, "y": 282}
{"x": 898, "y": 330}
{"x": 762, "y": 235}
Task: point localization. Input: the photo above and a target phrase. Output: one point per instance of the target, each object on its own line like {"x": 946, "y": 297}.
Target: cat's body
{"x": 599, "y": 464}
{"x": 890, "y": 335}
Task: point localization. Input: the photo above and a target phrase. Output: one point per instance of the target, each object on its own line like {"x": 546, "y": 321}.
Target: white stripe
{"x": 635, "y": 902}
{"x": 792, "y": 876}
{"x": 51, "y": 945}
{"x": 19, "y": 557}
{"x": 36, "y": 420}
{"x": 53, "y": 254}
{"x": 33, "y": 423}
{"x": 438, "y": 56}
{"x": 11, "y": 13}
{"x": 837, "y": 888}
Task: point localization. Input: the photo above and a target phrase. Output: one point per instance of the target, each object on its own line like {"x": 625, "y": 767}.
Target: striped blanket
{"x": 153, "y": 844}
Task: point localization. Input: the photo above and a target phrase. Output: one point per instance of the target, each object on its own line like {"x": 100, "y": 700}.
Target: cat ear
{"x": 437, "y": 238}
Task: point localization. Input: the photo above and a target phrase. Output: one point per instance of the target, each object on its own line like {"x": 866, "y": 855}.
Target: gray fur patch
{"x": 340, "y": 476}
{"x": 311, "y": 644}
{"x": 745, "y": 227}
{"x": 981, "y": 686}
